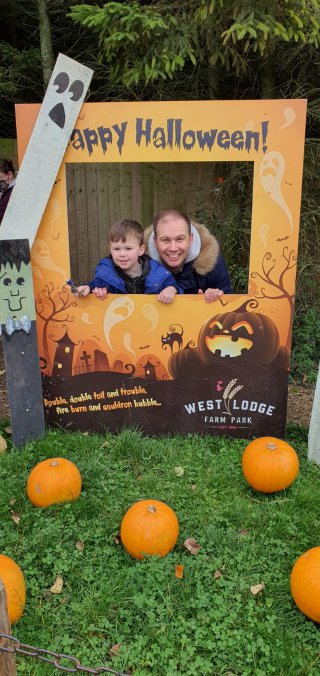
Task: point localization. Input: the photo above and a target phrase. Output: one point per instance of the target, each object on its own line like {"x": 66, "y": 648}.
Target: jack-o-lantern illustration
{"x": 185, "y": 362}
{"x": 239, "y": 335}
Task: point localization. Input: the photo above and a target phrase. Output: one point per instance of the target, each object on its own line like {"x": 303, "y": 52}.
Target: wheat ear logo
{"x": 229, "y": 392}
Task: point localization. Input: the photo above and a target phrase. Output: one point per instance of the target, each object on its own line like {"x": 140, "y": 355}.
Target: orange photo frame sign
{"x": 106, "y": 364}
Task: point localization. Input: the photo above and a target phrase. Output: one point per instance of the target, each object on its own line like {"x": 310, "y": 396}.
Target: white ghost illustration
{"x": 118, "y": 310}
{"x": 272, "y": 168}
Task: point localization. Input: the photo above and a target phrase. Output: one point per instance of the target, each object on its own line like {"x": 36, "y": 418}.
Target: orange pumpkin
{"x": 52, "y": 481}
{"x": 305, "y": 583}
{"x": 14, "y": 584}
{"x": 149, "y": 527}
{"x": 269, "y": 464}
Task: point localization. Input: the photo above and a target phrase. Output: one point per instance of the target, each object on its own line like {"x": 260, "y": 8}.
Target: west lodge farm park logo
{"x": 240, "y": 411}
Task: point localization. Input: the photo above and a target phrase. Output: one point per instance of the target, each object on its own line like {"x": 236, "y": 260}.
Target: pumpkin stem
{"x": 151, "y": 509}
{"x": 272, "y": 447}
{"x": 250, "y": 302}
{"x": 54, "y": 463}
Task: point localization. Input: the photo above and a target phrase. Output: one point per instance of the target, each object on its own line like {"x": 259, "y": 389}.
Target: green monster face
{"x": 16, "y": 288}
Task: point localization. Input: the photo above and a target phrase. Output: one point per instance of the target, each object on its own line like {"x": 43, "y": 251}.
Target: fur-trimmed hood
{"x": 204, "y": 249}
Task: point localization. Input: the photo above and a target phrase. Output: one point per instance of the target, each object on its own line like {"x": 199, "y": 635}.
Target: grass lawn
{"x": 201, "y": 624}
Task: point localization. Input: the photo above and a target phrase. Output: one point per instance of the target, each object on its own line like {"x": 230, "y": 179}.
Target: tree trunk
{"x": 267, "y": 79}
{"x": 45, "y": 40}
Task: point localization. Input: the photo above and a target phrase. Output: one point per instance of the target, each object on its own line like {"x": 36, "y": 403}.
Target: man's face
{"x": 173, "y": 241}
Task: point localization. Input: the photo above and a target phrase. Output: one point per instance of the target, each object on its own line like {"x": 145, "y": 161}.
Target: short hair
{"x": 6, "y": 166}
{"x": 14, "y": 252}
{"x": 121, "y": 229}
{"x": 170, "y": 212}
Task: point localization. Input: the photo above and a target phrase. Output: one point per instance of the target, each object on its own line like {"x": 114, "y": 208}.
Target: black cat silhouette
{"x": 172, "y": 338}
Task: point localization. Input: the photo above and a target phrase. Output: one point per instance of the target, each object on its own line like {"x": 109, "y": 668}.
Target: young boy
{"x": 129, "y": 269}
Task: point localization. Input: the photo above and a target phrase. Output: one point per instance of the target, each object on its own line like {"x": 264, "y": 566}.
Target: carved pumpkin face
{"x": 237, "y": 334}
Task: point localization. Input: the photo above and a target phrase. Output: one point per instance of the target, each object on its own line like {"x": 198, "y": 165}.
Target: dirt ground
{"x": 299, "y": 399}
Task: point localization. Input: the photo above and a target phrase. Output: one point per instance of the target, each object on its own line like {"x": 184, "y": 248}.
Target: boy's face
{"x": 125, "y": 254}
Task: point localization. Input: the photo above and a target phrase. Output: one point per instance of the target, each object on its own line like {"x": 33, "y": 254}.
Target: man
{"x": 191, "y": 254}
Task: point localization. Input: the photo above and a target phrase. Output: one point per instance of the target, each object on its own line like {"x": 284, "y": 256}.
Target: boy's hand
{"x": 100, "y": 292}
{"x": 167, "y": 295}
{"x": 210, "y": 294}
{"x": 82, "y": 291}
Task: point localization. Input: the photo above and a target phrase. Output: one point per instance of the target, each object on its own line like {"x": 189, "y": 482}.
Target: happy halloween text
{"x": 174, "y": 135}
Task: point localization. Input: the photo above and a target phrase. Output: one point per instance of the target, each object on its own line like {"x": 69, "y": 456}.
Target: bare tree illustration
{"x": 52, "y": 305}
{"x": 276, "y": 281}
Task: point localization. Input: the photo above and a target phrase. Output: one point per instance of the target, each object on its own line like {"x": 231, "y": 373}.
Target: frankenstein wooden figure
{"x": 18, "y": 329}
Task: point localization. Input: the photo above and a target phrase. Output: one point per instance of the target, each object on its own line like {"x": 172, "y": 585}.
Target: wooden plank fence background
{"x": 100, "y": 194}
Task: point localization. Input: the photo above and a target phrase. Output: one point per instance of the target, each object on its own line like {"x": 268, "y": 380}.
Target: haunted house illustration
{"x": 63, "y": 358}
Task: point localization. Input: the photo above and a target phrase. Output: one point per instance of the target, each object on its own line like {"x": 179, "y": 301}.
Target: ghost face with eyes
{"x": 16, "y": 292}
{"x": 69, "y": 91}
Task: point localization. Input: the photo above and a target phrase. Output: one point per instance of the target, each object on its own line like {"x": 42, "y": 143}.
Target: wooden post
{"x": 7, "y": 660}
{"x": 60, "y": 108}
{"x": 314, "y": 429}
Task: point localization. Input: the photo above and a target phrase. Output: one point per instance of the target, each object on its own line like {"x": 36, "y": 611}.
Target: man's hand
{"x": 167, "y": 295}
{"x": 210, "y": 294}
{"x": 100, "y": 293}
{"x": 82, "y": 291}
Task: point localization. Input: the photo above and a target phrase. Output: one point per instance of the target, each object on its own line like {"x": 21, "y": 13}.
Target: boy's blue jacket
{"x": 157, "y": 279}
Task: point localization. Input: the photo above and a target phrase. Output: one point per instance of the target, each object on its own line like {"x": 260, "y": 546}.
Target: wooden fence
{"x": 100, "y": 194}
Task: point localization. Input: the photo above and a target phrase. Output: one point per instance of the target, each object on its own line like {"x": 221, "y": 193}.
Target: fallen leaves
{"x": 3, "y": 444}
{"x": 80, "y": 545}
{"x": 217, "y": 574}
{"x": 57, "y": 586}
{"x": 192, "y": 545}
{"x": 256, "y": 588}
{"x": 179, "y": 571}
{"x": 244, "y": 532}
{"x": 179, "y": 471}
{"x": 113, "y": 652}
{"x": 15, "y": 516}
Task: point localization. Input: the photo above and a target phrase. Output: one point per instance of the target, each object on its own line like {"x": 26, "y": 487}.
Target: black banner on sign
{"x": 233, "y": 403}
